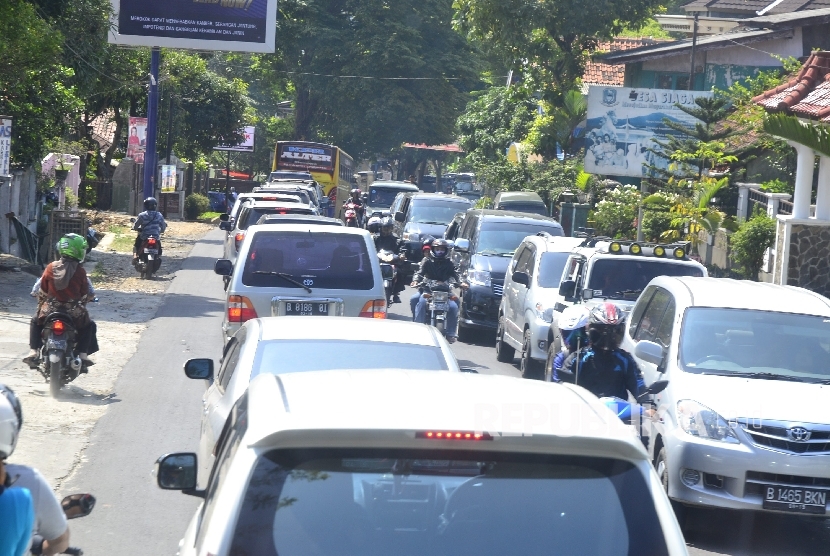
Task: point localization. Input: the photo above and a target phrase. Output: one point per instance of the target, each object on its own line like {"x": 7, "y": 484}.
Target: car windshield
{"x": 252, "y": 215}
{"x": 765, "y": 344}
{"x": 383, "y": 502}
{"x": 614, "y": 278}
{"x": 381, "y": 197}
{"x": 315, "y": 259}
{"x": 501, "y": 239}
{"x": 297, "y": 356}
{"x": 551, "y": 267}
{"x": 531, "y": 208}
{"x": 432, "y": 212}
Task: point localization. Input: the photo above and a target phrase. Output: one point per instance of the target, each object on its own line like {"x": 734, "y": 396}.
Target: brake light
{"x": 453, "y": 435}
{"x": 375, "y": 309}
{"x": 58, "y": 327}
{"x": 238, "y": 239}
{"x": 240, "y": 309}
{"x": 151, "y": 241}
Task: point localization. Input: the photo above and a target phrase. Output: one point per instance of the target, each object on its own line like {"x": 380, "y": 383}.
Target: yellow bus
{"x": 332, "y": 168}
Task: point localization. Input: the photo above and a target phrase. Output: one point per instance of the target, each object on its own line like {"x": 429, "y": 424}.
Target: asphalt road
{"x": 159, "y": 412}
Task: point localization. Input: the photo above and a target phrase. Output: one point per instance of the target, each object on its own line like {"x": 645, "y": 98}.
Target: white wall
{"x": 752, "y": 55}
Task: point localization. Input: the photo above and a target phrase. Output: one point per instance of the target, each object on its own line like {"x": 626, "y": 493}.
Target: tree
{"x": 557, "y": 126}
{"x": 750, "y": 243}
{"x": 549, "y": 41}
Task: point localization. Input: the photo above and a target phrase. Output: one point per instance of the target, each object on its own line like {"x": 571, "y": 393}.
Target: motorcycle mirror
{"x": 78, "y": 505}
{"x": 132, "y": 219}
{"x": 655, "y": 388}
{"x": 95, "y": 300}
{"x": 224, "y": 217}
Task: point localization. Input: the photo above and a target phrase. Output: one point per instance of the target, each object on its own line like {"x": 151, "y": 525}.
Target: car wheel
{"x": 662, "y": 467}
{"x": 530, "y": 368}
{"x": 465, "y": 334}
{"x": 504, "y": 352}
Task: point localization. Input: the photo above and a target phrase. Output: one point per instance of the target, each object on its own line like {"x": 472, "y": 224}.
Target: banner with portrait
{"x": 137, "y": 139}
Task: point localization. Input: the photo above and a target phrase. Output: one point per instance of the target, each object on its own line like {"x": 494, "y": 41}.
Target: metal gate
{"x": 64, "y": 222}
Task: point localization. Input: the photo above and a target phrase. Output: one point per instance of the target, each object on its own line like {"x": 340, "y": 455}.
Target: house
{"x": 598, "y": 72}
{"x": 723, "y": 59}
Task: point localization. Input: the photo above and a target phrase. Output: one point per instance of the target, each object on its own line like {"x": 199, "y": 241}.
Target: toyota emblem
{"x": 308, "y": 282}
{"x": 799, "y": 434}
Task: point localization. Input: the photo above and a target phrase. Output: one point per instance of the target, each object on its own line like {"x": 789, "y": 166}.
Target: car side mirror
{"x": 364, "y": 196}
{"x": 521, "y": 278}
{"x": 324, "y": 202}
{"x": 399, "y": 216}
{"x": 223, "y": 267}
{"x": 77, "y": 505}
{"x": 567, "y": 289}
{"x": 462, "y": 245}
{"x": 227, "y": 226}
{"x": 386, "y": 271}
{"x": 649, "y": 351}
{"x": 224, "y": 217}
{"x": 177, "y": 472}
{"x": 199, "y": 369}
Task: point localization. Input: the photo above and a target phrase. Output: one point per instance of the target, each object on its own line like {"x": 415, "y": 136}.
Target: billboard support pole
{"x": 152, "y": 120}
{"x": 694, "y": 44}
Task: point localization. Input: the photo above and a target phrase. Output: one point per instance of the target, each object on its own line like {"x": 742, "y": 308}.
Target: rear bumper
{"x": 480, "y": 308}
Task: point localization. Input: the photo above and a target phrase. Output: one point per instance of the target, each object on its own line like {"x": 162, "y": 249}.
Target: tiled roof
{"x": 807, "y": 95}
{"x": 598, "y": 73}
{"x": 103, "y": 130}
{"x": 718, "y": 5}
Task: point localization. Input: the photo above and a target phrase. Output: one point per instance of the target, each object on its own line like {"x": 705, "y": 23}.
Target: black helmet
{"x": 606, "y": 325}
{"x": 150, "y": 203}
{"x": 354, "y": 192}
{"x": 386, "y": 226}
{"x": 440, "y": 248}
{"x": 373, "y": 225}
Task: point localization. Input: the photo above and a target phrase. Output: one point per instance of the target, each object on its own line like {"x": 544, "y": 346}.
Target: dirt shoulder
{"x": 56, "y": 431}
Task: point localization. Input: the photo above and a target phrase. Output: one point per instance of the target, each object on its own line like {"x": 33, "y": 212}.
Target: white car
{"x": 301, "y": 344}
{"x": 407, "y": 462}
{"x": 744, "y": 423}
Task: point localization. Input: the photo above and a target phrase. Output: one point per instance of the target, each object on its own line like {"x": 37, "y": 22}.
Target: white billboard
{"x": 622, "y": 123}
{"x": 245, "y": 146}
{"x": 238, "y": 25}
{"x": 5, "y": 144}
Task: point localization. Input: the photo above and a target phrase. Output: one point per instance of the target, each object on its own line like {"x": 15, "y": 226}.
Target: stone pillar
{"x": 823, "y": 193}
{"x": 774, "y": 201}
{"x": 803, "y": 180}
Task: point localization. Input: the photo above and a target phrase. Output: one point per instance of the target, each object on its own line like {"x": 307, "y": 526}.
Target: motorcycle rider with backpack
{"x": 437, "y": 267}
{"x": 65, "y": 286}
{"x": 148, "y": 223}
{"x": 387, "y": 241}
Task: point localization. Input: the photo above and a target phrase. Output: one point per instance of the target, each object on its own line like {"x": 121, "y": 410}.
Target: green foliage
{"x": 483, "y": 203}
{"x": 557, "y": 125}
{"x": 499, "y": 117}
{"x": 789, "y": 127}
{"x": 615, "y": 214}
{"x": 750, "y": 243}
{"x": 657, "y": 217}
{"x": 194, "y": 205}
{"x": 778, "y": 186}
{"x": 648, "y": 29}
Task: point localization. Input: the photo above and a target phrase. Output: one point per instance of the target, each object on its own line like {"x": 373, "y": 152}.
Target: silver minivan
{"x": 302, "y": 270}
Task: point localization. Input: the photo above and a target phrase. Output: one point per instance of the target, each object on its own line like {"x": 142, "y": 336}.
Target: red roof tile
{"x": 807, "y": 95}
{"x": 598, "y": 73}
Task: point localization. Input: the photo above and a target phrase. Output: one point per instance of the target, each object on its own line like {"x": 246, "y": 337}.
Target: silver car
{"x": 304, "y": 270}
{"x": 297, "y": 344}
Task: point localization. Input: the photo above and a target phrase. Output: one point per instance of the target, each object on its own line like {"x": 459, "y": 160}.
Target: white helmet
{"x": 11, "y": 419}
{"x": 573, "y": 317}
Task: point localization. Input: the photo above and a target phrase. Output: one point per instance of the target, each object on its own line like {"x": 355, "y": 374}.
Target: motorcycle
{"x": 352, "y": 215}
{"x": 149, "y": 256}
{"x": 439, "y": 294}
{"x": 74, "y": 506}
{"x": 59, "y": 364}
{"x": 389, "y": 262}
{"x": 93, "y": 237}
{"x": 635, "y": 414}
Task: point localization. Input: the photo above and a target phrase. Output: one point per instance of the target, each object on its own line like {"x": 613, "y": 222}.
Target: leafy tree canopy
{"x": 499, "y": 117}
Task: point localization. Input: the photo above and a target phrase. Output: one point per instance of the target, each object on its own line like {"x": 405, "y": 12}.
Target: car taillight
{"x": 375, "y": 309}
{"x": 58, "y": 327}
{"x": 453, "y": 435}
{"x": 238, "y": 239}
{"x": 240, "y": 309}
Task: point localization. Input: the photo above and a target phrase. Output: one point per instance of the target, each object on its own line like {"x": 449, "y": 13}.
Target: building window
{"x": 664, "y": 81}
{"x": 682, "y": 83}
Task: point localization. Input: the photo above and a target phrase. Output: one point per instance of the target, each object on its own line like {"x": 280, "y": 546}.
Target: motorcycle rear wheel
{"x": 55, "y": 377}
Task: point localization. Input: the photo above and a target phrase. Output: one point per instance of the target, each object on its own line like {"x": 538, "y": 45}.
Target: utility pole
{"x": 694, "y": 44}
{"x": 152, "y": 124}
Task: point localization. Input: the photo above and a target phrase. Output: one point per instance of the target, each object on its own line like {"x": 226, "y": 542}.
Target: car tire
{"x": 504, "y": 352}
{"x": 465, "y": 334}
{"x": 530, "y": 369}
{"x": 662, "y": 467}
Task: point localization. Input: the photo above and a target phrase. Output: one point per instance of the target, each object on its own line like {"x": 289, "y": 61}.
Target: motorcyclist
{"x": 65, "y": 287}
{"x": 602, "y": 367}
{"x": 573, "y": 333}
{"x": 438, "y": 267}
{"x": 148, "y": 223}
{"x": 354, "y": 198}
{"x": 49, "y": 517}
{"x": 387, "y": 241}
{"x": 426, "y": 249}
{"x": 17, "y": 512}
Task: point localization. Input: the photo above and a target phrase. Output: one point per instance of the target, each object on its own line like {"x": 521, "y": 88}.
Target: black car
{"x": 484, "y": 243}
{"x": 422, "y": 215}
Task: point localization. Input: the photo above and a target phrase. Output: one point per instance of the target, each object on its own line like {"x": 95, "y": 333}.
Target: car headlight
{"x": 700, "y": 421}
{"x": 411, "y": 236}
{"x": 544, "y": 314}
{"x": 479, "y": 277}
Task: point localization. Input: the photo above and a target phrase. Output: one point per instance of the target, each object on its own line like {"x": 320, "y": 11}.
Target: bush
{"x": 194, "y": 205}
{"x": 750, "y": 242}
{"x": 615, "y": 214}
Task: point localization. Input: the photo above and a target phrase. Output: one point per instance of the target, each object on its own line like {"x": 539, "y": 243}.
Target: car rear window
{"x": 436, "y": 211}
{"x": 382, "y": 502}
{"x": 532, "y": 208}
{"x": 501, "y": 239}
{"x": 626, "y": 278}
{"x": 320, "y": 260}
{"x": 297, "y": 356}
{"x": 252, "y": 215}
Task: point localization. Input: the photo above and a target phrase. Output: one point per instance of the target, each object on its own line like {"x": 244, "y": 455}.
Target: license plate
{"x": 440, "y": 297}
{"x": 306, "y": 309}
{"x": 436, "y": 306}
{"x": 56, "y": 344}
{"x": 153, "y": 251}
{"x": 801, "y": 500}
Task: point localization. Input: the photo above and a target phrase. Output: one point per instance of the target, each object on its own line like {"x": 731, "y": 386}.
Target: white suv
{"x": 408, "y": 462}
{"x": 744, "y": 422}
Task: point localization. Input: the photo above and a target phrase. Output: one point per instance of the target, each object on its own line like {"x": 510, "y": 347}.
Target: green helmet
{"x": 73, "y": 246}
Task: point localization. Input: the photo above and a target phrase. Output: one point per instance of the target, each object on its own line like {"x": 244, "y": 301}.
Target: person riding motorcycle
{"x": 17, "y": 512}
{"x": 573, "y": 333}
{"x": 437, "y": 267}
{"x": 602, "y": 367}
{"x": 386, "y": 240}
{"x": 148, "y": 223}
{"x": 65, "y": 287}
{"x": 354, "y": 198}
{"x": 49, "y": 518}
